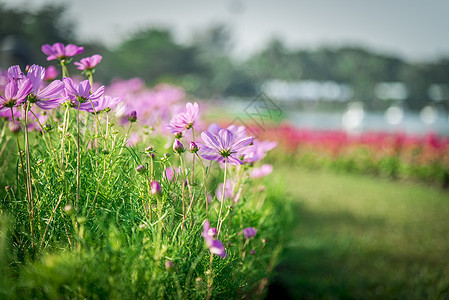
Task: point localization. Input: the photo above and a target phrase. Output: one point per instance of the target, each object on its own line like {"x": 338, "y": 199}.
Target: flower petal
{"x": 52, "y": 91}
{"x": 225, "y": 138}
{"x": 210, "y": 140}
{"x": 242, "y": 143}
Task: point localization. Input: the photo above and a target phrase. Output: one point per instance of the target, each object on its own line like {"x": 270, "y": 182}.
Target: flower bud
{"x": 193, "y": 147}
{"x": 149, "y": 149}
{"x": 68, "y": 209}
{"x": 7, "y": 188}
{"x": 15, "y": 127}
{"x": 155, "y": 188}
{"x": 178, "y": 147}
{"x": 141, "y": 168}
{"x": 47, "y": 127}
{"x": 132, "y": 117}
{"x": 252, "y": 251}
{"x": 151, "y": 155}
{"x": 169, "y": 266}
{"x": 178, "y": 135}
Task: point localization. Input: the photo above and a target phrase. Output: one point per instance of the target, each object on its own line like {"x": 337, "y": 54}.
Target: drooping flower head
{"x": 214, "y": 246}
{"x": 223, "y": 147}
{"x": 79, "y": 95}
{"x": 61, "y": 52}
{"x": 88, "y": 63}
{"x": 185, "y": 120}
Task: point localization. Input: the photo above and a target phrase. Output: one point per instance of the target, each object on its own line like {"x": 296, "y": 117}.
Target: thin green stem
{"x": 219, "y": 222}
{"x": 78, "y": 157}
{"x": 65, "y": 72}
{"x": 183, "y": 188}
{"x": 204, "y": 186}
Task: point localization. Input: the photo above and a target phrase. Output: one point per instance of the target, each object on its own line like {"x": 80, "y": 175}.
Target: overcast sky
{"x": 414, "y": 29}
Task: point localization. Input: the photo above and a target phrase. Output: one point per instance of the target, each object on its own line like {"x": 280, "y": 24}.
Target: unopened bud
{"x": 155, "y": 188}
{"x": 169, "y": 266}
{"x": 132, "y": 117}
{"x": 178, "y": 147}
{"x": 141, "y": 168}
{"x": 68, "y": 209}
{"x": 193, "y": 147}
{"x": 149, "y": 149}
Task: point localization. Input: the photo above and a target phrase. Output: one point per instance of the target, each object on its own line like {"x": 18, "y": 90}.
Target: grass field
{"x": 359, "y": 237}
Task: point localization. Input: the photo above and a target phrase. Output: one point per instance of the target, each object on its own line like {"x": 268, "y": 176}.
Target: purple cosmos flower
{"x": 228, "y": 194}
{"x": 80, "y": 95}
{"x": 215, "y": 246}
{"x": 249, "y": 232}
{"x": 105, "y": 103}
{"x": 264, "y": 170}
{"x": 61, "y": 52}
{"x": 223, "y": 146}
{"x": 259, "y": 150}
{"x": 239, "y": 132}
{"x": 185, "y": 120}
{"x": 88, "y": 63}
{"x": 50, "y": 96}
{"x": 15, "y": 94}
{"x": 170, "y": 173}
{"x": 51, "y": 73}
{"x": 15, "y": 74}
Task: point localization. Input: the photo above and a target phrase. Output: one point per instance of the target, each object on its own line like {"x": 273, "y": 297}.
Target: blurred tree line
{"x": 205, "y": 68}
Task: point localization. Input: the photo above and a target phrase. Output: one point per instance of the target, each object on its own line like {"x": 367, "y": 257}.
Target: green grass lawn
{"x": 358, "y": 237}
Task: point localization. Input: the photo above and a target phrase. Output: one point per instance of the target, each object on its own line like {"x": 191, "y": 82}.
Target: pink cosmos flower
{"x": 15, "y": 74}
{"x": 249, "y": 232}
{"x": 88, "y": 63}
{"x": 15, "y": 94}
{"x": 264, "y": 170}
{"x": 51, "y": 73}
{"x": 48, "y": 97}
{"x": 185, "y": 120}
{"x": 61, "y": 52}
{"x": 260, "y": 149}
{"x": 223, "y": 146}
{"x": 104, "y": 103}
{"x": 215, "y": 246}
{"x": 228, "y": 193}
{"x": 80, "y": 95}
{"x": 170, "y": 173}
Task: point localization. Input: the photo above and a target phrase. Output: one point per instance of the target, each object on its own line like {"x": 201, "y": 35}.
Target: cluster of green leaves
{"x": 105, "y": 243}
